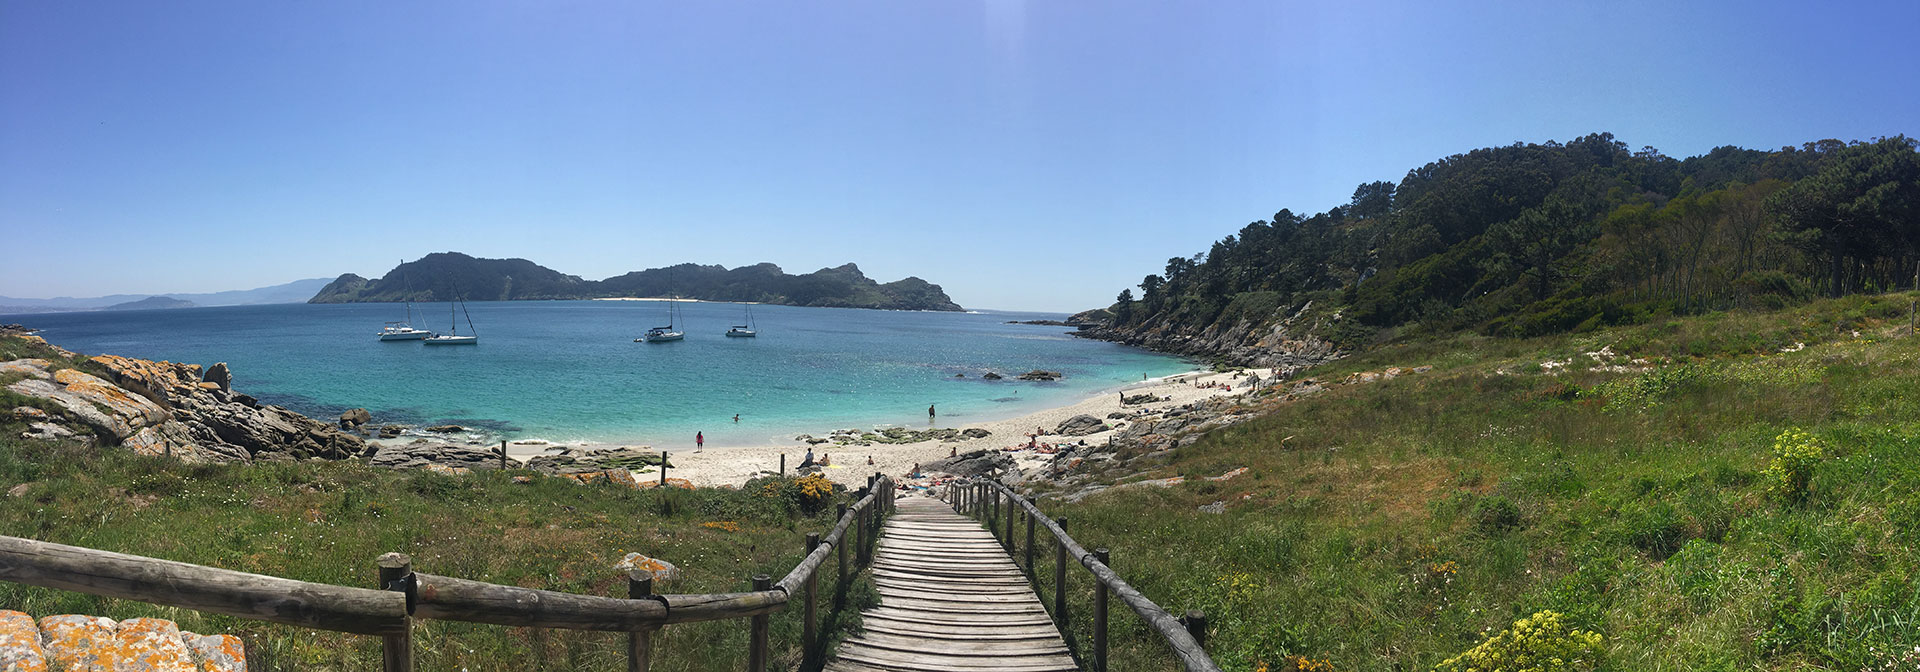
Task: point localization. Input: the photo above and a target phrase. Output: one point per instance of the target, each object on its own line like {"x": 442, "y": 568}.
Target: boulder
{"x": 219, "y": 375}
{"x": 419, "y": 454}
{"x": 354, "y": 418}
{"x": 446, "y": 429}
{"x": 975, "y": 433}
{"x": 972, "y": 463}
{"x": 29, "y": 414}
{"x": 991, "y": 376}
{"x": 1080, "y": 425}
{"x": 1038, "y": 374}
{"x": 46, "y": 431}
{"x": 391, "y": 431}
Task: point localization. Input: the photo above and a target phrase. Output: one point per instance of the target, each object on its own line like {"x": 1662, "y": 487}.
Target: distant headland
{"x": 442, "y": 276}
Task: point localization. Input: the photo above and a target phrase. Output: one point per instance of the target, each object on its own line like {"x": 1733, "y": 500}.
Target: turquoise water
{"x": 569, "y": 370}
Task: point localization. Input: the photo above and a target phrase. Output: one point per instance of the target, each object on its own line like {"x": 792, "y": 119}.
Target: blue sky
{"x": 1025, "y": 155}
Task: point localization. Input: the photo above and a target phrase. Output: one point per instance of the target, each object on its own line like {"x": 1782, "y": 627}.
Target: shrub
{"x": 1542, "y": 642}
{"x": 1495, "y": 515}
{"x": 1795, "y": 455}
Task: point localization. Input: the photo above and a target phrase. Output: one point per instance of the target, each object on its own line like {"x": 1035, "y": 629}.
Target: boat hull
{"x": 405, "y": 336}
{"x": 741, "y": 333}
{"x": 663, "y": 337}
{"x": 452, "y": 340}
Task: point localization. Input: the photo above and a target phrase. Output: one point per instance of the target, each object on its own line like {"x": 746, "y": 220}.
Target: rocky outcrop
{"x": 575, "y": 461}
{"x": 1286, "y": 344}
{"x": 163, "y": 408}
{"x": 421, "y": 453}
{"x": 1038, "y": 374}
{"x": 77, "y": 642}
{"x": 354, "y": 418}
{"x": 972, "y": 463}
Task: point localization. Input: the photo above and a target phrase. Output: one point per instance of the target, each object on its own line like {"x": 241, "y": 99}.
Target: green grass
{"x": 1400, "y": 521}
{"x": 327, "y": 522}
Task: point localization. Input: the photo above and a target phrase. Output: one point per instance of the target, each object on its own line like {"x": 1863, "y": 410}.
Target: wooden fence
{"x": 406, "y": 595}
{"x": 997, "y": 506}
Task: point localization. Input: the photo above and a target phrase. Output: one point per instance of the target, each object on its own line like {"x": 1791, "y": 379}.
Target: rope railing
{"x": 406, "y": 595}
{"x": 996, "y": 505}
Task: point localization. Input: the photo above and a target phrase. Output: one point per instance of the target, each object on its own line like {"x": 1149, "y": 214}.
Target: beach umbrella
{"x": 636, "y": 565}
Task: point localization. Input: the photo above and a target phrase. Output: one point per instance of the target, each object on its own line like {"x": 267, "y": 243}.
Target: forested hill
{"x": 443, "y": 275}
{"x": 1539, "y": 238}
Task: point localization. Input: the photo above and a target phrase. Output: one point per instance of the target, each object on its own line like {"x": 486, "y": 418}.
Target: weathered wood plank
{"x": 951, "y": 600}
{"x": 221, "y": 591}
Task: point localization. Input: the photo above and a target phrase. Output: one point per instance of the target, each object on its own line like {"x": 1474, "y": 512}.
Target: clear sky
{"x": 1026, "y": 155}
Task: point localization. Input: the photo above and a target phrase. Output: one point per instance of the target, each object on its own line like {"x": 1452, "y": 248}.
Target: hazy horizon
{"x": 1024, "y": 156}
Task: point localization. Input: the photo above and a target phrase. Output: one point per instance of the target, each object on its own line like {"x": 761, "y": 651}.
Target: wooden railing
{"x": 406, "y": 595}
{"x": 997, "y": 506}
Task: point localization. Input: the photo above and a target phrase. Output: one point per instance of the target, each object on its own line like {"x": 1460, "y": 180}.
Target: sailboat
{"x": 744, "y": 330}
{"x": 454, "y": 337}
{"x": 404, "y": 331}
{"x": 666, "y": 333}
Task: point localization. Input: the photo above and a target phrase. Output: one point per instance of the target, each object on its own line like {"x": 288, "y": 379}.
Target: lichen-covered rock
{"x": 45, "y": 431}
{"x": 418, "y": 454}
{"x": 219, "y": 376}
{"x": 29, "y": 414}
{"x": 77, "y": 643}
{"x": 32, "y": 368}
{"x": 102, "y": 405}
{"x": 217, "y": 653}
{"x": 20, "y": 644}
{"x": 152, "y": 645}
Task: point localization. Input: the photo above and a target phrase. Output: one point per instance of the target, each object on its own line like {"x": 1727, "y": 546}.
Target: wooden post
{"x": 397, "y": 650}
{"x": 757, "y": 641}
{"x": 783, "y": 465}
{"x": 860, "y": 526}
{"x": 640, "y": 642}
{"x": 1010, "y": 510}
{"x": 503, "y": 455}
{"x": 663, "y": 470}
{"x": 1197, "y": 626}
{"x": 1031, "y": 573}
{"x": 840, "y": 548}
{"x": 1100, "y": 618}
{"x": 810, "y": 632}
{"x": 1060, "y": 576}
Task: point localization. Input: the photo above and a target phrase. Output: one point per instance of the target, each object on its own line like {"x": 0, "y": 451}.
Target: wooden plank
{"x": 927, "y": 661}
{"x": 1030, "y": 646}
{"x": 963, "y": 620}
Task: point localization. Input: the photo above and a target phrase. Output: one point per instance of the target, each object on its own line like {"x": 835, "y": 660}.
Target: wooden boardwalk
{"x": 951, "y": 600}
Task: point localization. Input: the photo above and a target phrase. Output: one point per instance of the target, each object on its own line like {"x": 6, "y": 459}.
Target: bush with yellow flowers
{"x": 1795, "y": 455}
{"x": 1542, "y": 642}
{"x": 808, "y": 494}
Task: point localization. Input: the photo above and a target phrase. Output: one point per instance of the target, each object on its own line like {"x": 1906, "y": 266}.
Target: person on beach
{"x": 808, "y": 460}
{"x": 929, "y": 412}
{"x": 699, "y": 441}
{"x": 736, "y": 418}
{"x": 826, "y": 459}
{"x": 869, "y": 460}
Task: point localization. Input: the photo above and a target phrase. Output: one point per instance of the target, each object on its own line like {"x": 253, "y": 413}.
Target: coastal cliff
{"x": 444, "y": 275}
{"x": 1286, "y": 342}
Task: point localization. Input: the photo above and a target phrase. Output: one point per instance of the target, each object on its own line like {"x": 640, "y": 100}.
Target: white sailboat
{"x": 404, "y": 331}
{"x": 666, "y": 333}
{"x": 744, "y": 330}
{"x": 453, "y": 336}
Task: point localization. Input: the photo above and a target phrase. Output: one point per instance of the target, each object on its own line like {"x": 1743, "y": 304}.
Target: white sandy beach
{"x": 733, "y": 465}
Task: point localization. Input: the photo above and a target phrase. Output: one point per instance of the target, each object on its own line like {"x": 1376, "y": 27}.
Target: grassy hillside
{"x": 1391, "y": 525}
{"x": 326, "y": 522}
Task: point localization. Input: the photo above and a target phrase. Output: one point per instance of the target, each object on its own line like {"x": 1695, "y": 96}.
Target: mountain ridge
{"x": 444, "y": 275}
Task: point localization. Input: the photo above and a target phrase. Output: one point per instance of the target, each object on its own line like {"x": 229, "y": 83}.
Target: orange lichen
{"x": 78, "y": 643}
{"x": 20, "y": 644}
{"x": 217, "y": 653}
{"x": 152, "y": 645}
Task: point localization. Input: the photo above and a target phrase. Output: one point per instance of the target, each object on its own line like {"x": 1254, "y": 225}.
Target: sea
{"x": 570, "y": 371}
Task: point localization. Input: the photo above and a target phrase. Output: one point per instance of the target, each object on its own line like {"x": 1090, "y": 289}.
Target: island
{"x": 444, "y": 275}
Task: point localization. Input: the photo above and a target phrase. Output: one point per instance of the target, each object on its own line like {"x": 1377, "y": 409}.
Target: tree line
{"x": 1537, "y": 238}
